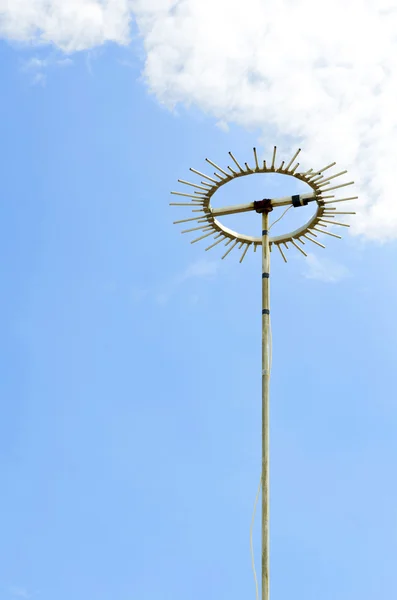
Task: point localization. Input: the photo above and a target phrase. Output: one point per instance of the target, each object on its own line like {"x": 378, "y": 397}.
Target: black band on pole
{"x": 265, "y": 275}
{"x": 265, "y": 311}
{"x": 265, "y": 232}
{"x": 298, "y": 201}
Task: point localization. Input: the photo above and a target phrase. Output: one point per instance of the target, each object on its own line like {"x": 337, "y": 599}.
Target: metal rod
{"x": 332, "y": 177}
{"x": 338, "y": 186}
{"x": 328, "y": 233}
{"x": 191, "y": 219}
{"x": 292, "y": 159}
{"x": 334, "y": 222}
{"x": 203, "y": 236}
{"x": 231, "y": 210}
{"x": 216, "y": 167}
{"x": 326, "y": 168}
{"x": 314, "y": 241}
{"x": 218, "y": 242}
{"x": 296, "y": 246}
{"x": 184, "y": 204}
{"x": 338, "y": 213}
{"x": 281, "y": 252}
{"x": 341, "y": 199}
{"x": 236, "y": 162}
{"x": 244, "y": 253}
{"x": 256, "y": 159}
{"x": 202, "y": 228}
{"x": 274, "y": 157}
{"x": 203, "y": 175}
{"x": 265, "y": 401}
{"x": 199, "y": 187}
{"x": 186, "y": 195}
{"x": 230, "y": 249}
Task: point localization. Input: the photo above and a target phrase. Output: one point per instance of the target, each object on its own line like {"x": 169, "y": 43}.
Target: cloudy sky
{"x": 130, "y": 359}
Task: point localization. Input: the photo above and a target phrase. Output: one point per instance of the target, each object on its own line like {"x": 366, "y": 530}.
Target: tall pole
{"x": 265, "y": 401}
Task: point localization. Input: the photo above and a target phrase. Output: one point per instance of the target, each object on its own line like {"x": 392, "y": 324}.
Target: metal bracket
{"x": 263, "y": 206}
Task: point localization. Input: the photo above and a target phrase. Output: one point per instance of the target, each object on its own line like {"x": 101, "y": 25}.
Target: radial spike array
{"x": 205, "y": 221}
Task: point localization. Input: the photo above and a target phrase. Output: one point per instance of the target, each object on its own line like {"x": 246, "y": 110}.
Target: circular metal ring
{"x": 209, "y": 225}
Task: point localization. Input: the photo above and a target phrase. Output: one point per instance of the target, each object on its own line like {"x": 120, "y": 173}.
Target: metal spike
{"x": 203, "y": 236}
{"x": 186, "y": 195}
{"x": 314, "y": 241}
{"x": 221, "y": 236}
{"x": 183, "y": 204}
{"x": 298, "y": 247}
{"x": 244, "y": 253}
{"x": 292, "y": 159}
{"x": 256, "y": 160}
{"x": 334, "y": 223}
{"x": 203, "y": 175}
{"x": 230, "y": 249}
{"x": 340, "y": 213}
{"x": 332, "y": 177}
{"x": 281, "y": 252}
{"x": 186, "y": 220}
{"x": 274, "y": 157}
{"x": 341, "y": 200}
{"x": 338, "y": 186}
{"x": 236, "y": 162}
{"x": 199, "y": 187}
{"x": 328, "y": 233}
{"x": 198, "y": 228}
{"x": 216, "y": 167}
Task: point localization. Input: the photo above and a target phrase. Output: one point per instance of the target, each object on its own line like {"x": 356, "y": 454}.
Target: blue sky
{"x": 130, "y": 362}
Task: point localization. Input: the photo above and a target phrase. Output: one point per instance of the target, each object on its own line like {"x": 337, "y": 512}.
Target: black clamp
{"x": 297, "y": 200}
{"x": 263, "y": 206}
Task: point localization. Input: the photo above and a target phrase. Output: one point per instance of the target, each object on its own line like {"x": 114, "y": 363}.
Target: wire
{"x": 279, "y": 219}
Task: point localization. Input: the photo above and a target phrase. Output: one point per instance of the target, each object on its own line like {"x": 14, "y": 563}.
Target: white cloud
{"x": 37, "y": 67}
{"x": 324, "y": 79}
{"x": 201, "y": 269}
{"x": 71, "y": 25}
{"x": 19, "y": 592}
{"x": 325, "y": 269}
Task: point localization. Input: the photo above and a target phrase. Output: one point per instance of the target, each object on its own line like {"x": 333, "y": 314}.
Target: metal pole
{"x": 265, "y": 401}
